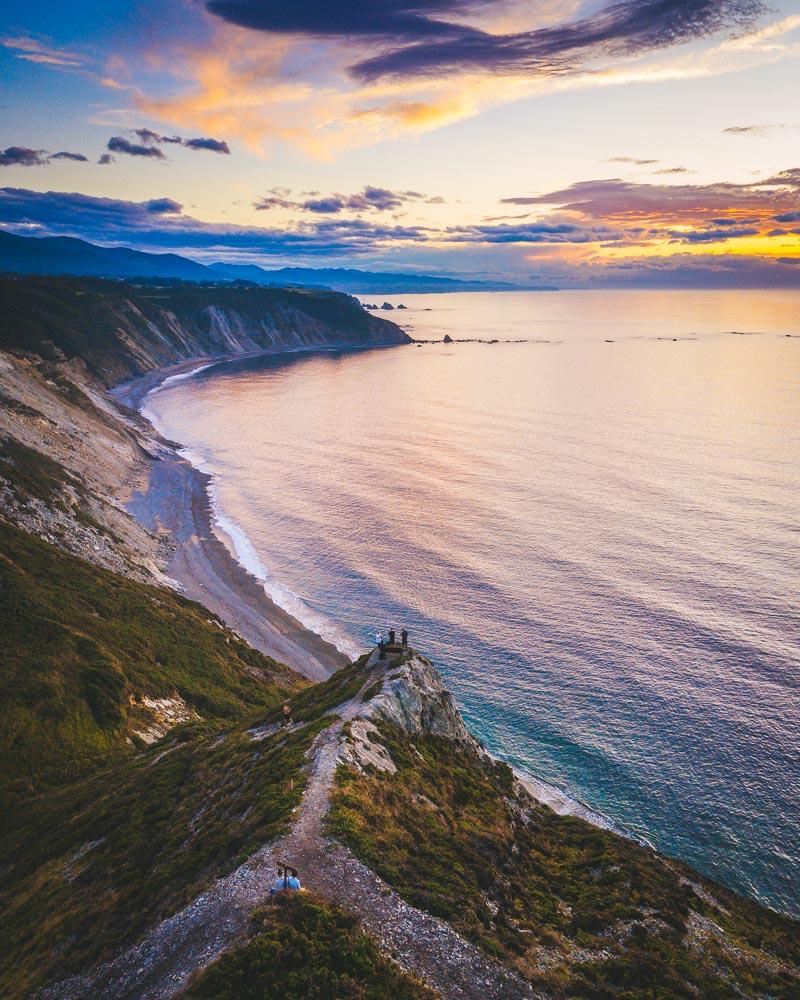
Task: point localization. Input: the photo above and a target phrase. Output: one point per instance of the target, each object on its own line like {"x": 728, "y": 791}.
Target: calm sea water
{"x": 594, "y": 535}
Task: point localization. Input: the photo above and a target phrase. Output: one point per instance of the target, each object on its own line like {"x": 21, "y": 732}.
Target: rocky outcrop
{"x": 414, "y": 698}
{"x": 410, "y": 694}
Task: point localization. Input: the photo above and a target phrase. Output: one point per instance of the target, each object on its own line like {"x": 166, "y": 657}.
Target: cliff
{"x": 120, "y": 330}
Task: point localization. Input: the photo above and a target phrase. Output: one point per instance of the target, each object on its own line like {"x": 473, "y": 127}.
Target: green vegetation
{"x": 79, "y": 643}
{"x": 579, "y": 911}
{"x": 29, "y": 473}
{"x": 88, "y": 868}
{"x": 305, "y": 949}
{"x": 109, "y": 324}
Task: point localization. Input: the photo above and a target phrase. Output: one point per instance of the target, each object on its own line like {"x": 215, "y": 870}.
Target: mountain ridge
{"x": 69, "y": 255}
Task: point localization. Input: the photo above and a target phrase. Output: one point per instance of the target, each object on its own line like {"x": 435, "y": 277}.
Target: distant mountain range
{"x": 67, "y": 255}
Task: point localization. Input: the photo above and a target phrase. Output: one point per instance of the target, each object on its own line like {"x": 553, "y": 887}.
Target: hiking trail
{"x": 161, "y": 964}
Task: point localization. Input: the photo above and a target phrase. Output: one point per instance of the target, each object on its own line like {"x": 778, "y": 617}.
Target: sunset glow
{"x": 487, "y": 139}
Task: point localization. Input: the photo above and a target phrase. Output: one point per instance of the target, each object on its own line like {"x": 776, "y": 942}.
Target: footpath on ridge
{"x": 162, "y": 963}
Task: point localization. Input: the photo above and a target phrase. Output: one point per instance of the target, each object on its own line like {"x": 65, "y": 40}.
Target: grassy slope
{"x": 303, "y": 948}
{"x": 88, "y": 868}
{"x": 580, "y": 911}
{"x": 110, "y": 324}
{"x": 94, "y": 865}
{"x": 79, "y": 641}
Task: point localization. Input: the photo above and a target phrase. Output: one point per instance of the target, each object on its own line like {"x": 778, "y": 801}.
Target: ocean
{"x": 594, "y": 534}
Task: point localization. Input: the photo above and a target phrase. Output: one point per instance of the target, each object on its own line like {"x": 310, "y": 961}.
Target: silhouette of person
{"x": 391, "y": 636}
{"x": 404, "y": 638}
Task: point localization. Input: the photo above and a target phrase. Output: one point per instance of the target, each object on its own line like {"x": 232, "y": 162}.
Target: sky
{"x": 582, "y": 144}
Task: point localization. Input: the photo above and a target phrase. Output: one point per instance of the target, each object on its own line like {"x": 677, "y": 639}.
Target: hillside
{"x": 120, "y": 330}
{"x": 474, "y": 888}
{"x": 97, "y": 666}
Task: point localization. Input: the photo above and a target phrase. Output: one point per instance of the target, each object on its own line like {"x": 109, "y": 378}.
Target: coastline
{"x": 204, "y": 566}
{"x": 176, "y": 504}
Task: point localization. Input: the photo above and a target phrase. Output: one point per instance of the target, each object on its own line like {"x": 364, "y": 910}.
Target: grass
{"x": 579, "y": 911}
{"x": 305, "y": 949}
{"x": 99, "y": 838}
{"x": 87, "y": 869}
{"x": 79, "y": 642}
{"x": 108, "y": 323}
{"x": 29, "y": 473}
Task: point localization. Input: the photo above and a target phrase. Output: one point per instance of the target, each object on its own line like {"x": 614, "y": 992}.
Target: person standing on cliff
{"x": 404, "y": 638}
{"x": 392, "y": 636}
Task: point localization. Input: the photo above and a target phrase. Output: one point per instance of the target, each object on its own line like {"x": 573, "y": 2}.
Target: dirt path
{"x": 161, "y": 965}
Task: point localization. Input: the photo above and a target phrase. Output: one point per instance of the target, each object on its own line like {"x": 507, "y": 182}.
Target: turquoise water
{"x": 597, "y": 542}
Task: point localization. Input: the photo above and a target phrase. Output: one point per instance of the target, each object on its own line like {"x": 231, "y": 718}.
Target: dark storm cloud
{"x": 370, "y": 199}
{"x": 22, "y": 156}
{"x": 66, "y": 155}
{"x": 788, "y": 217}
{"x": 118, "y": 144}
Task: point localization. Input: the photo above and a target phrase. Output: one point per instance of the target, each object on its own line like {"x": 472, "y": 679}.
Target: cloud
{"x": 213, "y": 145}
{"x": 22, "y": 156}
{"x": 106, "y": 159}
{"x": 561, "y": 250}
{"x": 444, "y": 36}
{"x": 382, "y": 19}
{"x": 713, "y": 235}
{"x": 65, "y": 155}
{"x": 615, "y": 199}
{"x": 269, "y": 72}
{"x": 369, "y": 199}
{"x": 623, "y": 27}
{"x": 150, "y": 138}
{"x": 788, "y": 217}
{"x": 118, "y": 144}
{"x": 630, "y": 159}
{"x": 31, "y": 50}
{"x": 532, "y": 232}
{"x": 159, "y": 224}
{"x": 674, "y": 170}
{"x": 757, "y": 130}
{"x": 163, "y": 206}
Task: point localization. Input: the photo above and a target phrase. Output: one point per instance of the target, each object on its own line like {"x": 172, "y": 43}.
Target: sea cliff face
{"x": 121, "y": 330}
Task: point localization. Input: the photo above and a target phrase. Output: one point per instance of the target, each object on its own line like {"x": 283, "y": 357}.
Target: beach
{"x": 175, "y": 504}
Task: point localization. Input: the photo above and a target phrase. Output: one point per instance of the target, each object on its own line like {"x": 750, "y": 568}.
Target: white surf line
{"x": 564, "y": 804}
{"x": 234, "y": 537}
